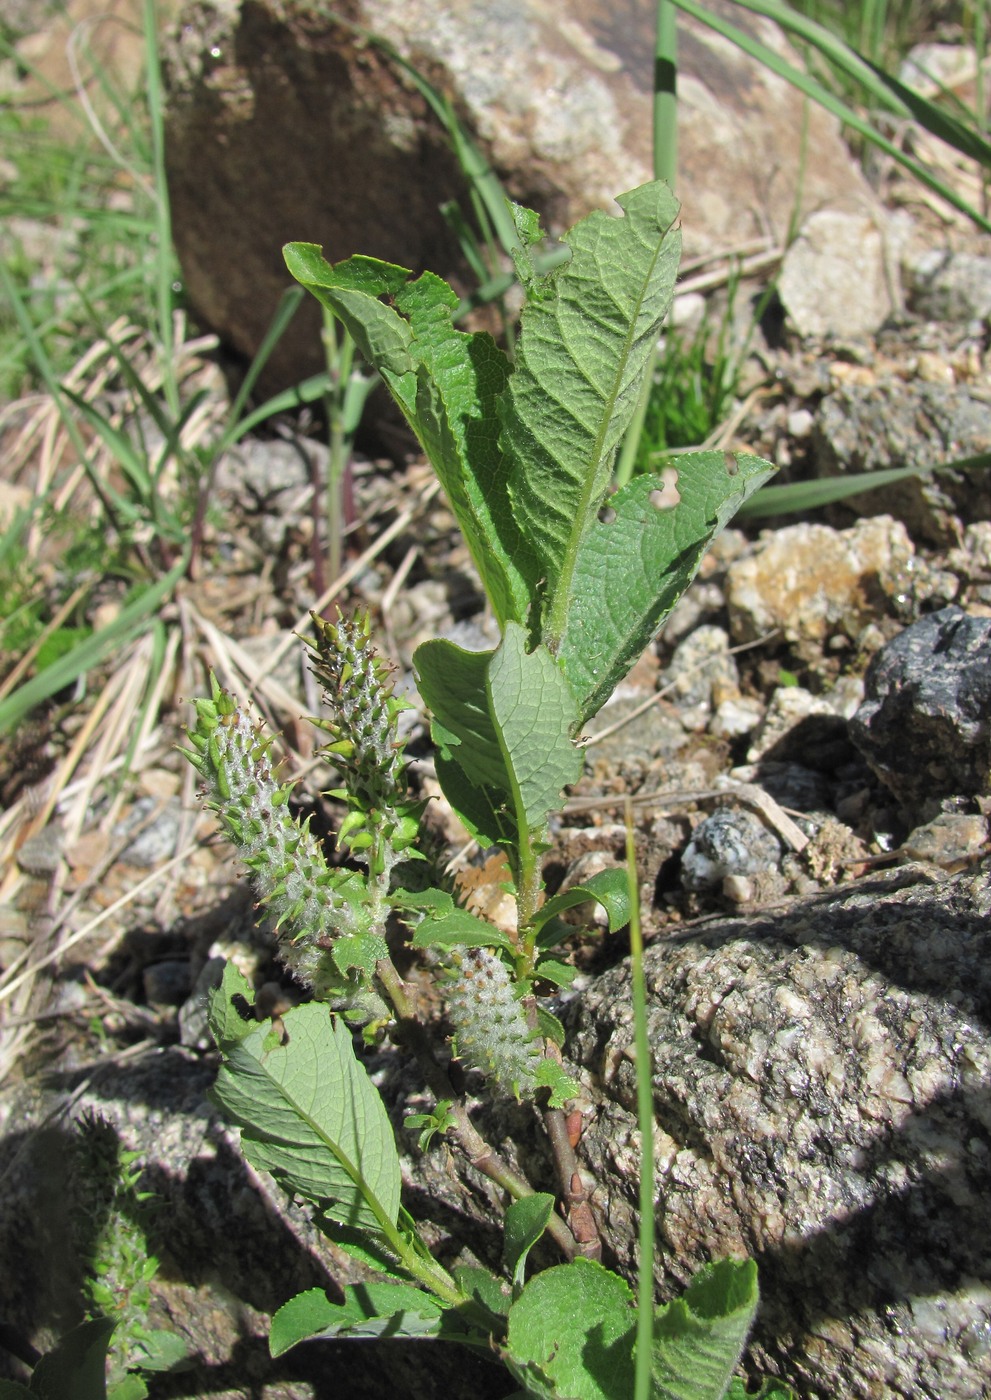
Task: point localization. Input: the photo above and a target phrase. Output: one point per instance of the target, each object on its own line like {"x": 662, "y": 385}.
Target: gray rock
{"x": 801, "y": 727}
{"x": 156, "y": 824}
{"x": 948, "y": 286}
{"x": 821, "y": 1094}
{"x": 924, "y": 723}
{"x": 285, "y": 125}
{"x": 729, "y": 843}
{"x": 701, "y": 674}
{"x": 834, "y": 279}
{"x": 920, "y": 424}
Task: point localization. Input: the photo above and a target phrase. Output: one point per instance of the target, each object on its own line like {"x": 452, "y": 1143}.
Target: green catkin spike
{"x": 490, "y": 1027}
{"x": 364, "y": 742}
{"x": 312, "y": 904}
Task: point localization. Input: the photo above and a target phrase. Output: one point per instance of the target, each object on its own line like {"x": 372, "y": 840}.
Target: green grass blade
{"x": 820, "y": 94}
{"x": 666, "y": 94}
{"x": 163, "y": 214}
{"x": 129, "y": 458}
{"x": 90, "y": 652}
{"x": 799, "y": 497}
{"x": 645, "y": 1122}
{"x": 289, "y": 304}
{"x": 307, "y": 391}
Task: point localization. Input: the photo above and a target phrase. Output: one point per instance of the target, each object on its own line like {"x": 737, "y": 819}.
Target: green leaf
{"x": 368, "y": 1310}
{"x": 505, "y": 717}
{"x": 699, "y": 1337}
{"x": 572, "y": 1329}
{"x": 361, "y": 951}
{"x": 460, "y": 927}
{"x": 548, "y": 1025}
{"x": 561, "y": 974}
{"x": 309, "y": 1114}
{"x": 361, "y": 1245}
{"x": 770, "y": 1390}
{"x": 128, "y": 1388}
{"x": 525, "y": 1222}
{"x": 230, "y": 1004}
{"x": 447, "y": 384}
{"x": 75, "y": 1368}
{"x": 550, "y": 1075}
{"x": 633, "y": 566}
{"x": 485, "y": 1289}
{"x": 162, "y": 1351}
{"x": 440, "y": 1121}
{"x": 351, "y": 290}
{"x": 609, "y": 888}
{"x": 585, "y": 338}
{"x": 454, "y": 414}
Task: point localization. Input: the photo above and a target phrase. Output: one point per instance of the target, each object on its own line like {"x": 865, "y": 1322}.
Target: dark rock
{"x": 924, "y": 723}
{"x": 822, "y": 1102}
{"x": 284, "y": 123}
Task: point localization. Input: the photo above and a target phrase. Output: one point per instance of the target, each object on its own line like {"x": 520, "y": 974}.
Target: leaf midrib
{"x": 554, "y": 629}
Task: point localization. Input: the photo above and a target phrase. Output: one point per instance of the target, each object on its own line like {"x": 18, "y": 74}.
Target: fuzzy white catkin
{"x": 490, "y": 1027}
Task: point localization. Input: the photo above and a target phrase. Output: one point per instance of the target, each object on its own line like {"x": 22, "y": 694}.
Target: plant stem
{"x": 480, "y": 1155}
{"x": 580, "y": 1218}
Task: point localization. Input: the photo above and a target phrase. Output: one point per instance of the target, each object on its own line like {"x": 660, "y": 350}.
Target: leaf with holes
{"x": 637, "y": 561}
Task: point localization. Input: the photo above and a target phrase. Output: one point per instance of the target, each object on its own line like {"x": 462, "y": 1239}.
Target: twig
{"x": 480, "y": 1154}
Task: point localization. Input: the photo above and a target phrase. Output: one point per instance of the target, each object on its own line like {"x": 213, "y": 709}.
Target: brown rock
{"x": 810, "y": 581}
{"x": 286, "y": 125}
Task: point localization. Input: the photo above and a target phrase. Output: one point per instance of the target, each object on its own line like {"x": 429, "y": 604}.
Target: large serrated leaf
{"x": 351, "y": 290}
{"x": 368, "y": 1310}
{"x": 632, "y": 568}
{"x": 586, "y": 336}
{"x": 699, "y": 1337}
{"x": 573, "y": 1328}
{"x": 309, "y": 1114}
{"x": 504, "y": 718}
{"x": 454, "y": 414}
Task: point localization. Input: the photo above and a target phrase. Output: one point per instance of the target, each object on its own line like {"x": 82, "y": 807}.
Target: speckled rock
{"x": 702, "y": 675}
{"x": 821, "y": 1093}
{"x": 925, "y": 724}
{"x": 732, "y": 842}
{"x": 811, "y": 729}
{"x": 808, "y": 582}
{"x": 948, "y": 286}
